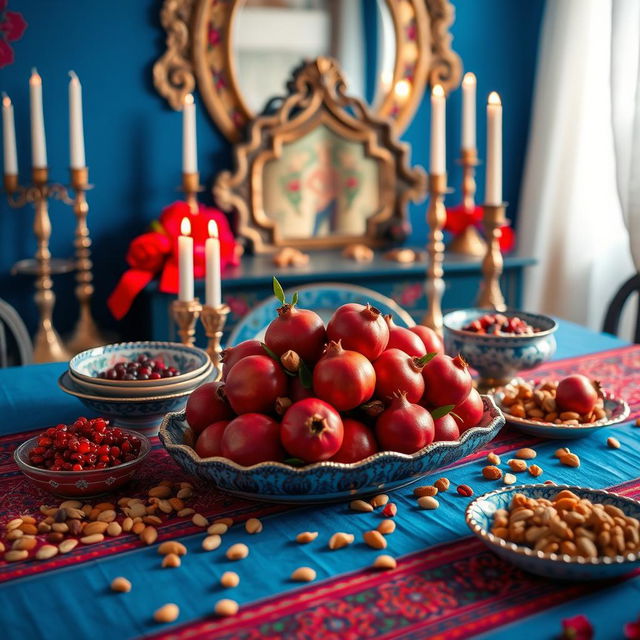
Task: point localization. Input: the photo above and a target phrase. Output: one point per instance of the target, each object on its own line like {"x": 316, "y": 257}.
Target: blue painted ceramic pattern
{"x": 479, "y": 516}
{"x": 325, "y": 481}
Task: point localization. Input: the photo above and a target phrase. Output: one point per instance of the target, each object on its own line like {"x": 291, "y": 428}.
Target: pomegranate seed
{"x": 389, "y": 510}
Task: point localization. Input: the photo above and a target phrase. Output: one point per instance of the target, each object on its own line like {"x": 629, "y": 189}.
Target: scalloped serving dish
{"x": 325, "y": 481}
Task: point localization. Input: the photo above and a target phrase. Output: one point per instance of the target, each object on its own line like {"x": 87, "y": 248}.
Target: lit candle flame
{"x": 402, "y": 88}
{"x": 438, "y": 91}
{"x": 494, "y": 98}
{"x": 188, "y": 99}
{"x": 469, "y": 78}
{"x": 185, "y": 227}
{"x": 6, "y": 100}
{"x": 213, "y": 229}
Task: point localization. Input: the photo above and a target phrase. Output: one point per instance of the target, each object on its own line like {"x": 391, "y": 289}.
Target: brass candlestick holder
{"x": 185, "y": 313}
{"x": 436, "y": 218}
{"x": 86, "y": 333}
{"x": 47, "y": 345}
{"x": 191, "y": 187}
{"x": 213, "y": 319}
{"x": 490, "y": 295}
{"x": 469, "y": 242}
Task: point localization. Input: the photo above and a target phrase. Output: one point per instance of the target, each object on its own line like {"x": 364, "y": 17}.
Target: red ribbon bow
{"x": 459, "y": 218}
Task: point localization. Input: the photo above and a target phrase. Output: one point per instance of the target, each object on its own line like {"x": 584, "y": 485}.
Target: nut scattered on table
{"x": 428, "y": 490}
{"x": 380, "y": 500}
{"x": 253, "y": 525}
{"x": 465, "y": 490}
{"x": 340, "y": 539}
{"x": 303, "y": 574}
{"x": 167, "y": 613}
{"x": 535, "y": 470}
{"x": 199, "y": 520}
{"x": 491, "y": 472}
{"x": 226, "y": 608}
{"x": 306, "y": 536}
{"x": 613, "y": 443}
{"x": 570, "y": 460}
{"x": 229, "y": 579}
{"x": 384, "y": 562}
{"x": 172, "y": 546}
{"x": 509, "y": 478}
{"x": 516, "y": 465}
{"x": 219, "y": 528}
{"x": 237, "y": 551}
{"x": 389, "y": 510}
{"x": 121, "y": 585}
{"x": 171, "y": 561}
{"x": 442, "y": 484}
{"x": 428, "y": 502}
{"x": 493, "y": 459}
{"x": 386, "y": 527}
{"x": 211, "y": 542}
{"x": 374, "y": 539}
{"x": 360, "y": 505}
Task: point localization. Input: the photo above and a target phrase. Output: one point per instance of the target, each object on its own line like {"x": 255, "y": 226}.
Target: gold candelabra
{"x": 490, "y": 295}
{"x": 86, "y": 333}
{"x": 191, "y": 187}
{"x": 436, "y": 218}
{"x": 48, "y": 346}
{"x": 469, "y": 242}
{"x": 213, "y": 319}
{"x": 185, "y": 314}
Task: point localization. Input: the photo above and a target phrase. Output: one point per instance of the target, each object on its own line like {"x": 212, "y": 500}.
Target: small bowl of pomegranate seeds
{"x": 498, "y": 345}
{"x": 85, "y": 458}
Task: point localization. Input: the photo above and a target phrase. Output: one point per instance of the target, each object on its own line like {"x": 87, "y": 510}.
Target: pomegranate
{"x": 254, "y": 383}
{"x": 397, "y": 371}
{"x": 343, "y": 378}
{"x": 430, "y": 339}
{"x": 403, "y": 339}
{"x": 358, "y": 442}
{"x": 469, "y": 412}
{"x": 252, "y": 438}
{"x": 445, "y": 428}
{"x": 311, "y": 430}
{"x": 297, "y": 391}
{"x": 207, "y": 404}
{"x": 404, "y": 427}
{"x": 447, "y": 381}
{"x": 577, "y": 393}
{"x": 360, "y": 328}
{"x": 209, "y": 442}
{"x": 299, "y": 330}
{"x": 231, "y": 355}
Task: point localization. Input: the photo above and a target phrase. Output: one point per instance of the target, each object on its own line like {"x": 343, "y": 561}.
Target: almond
{"x": 149, "y": 535}
{"x": 386, "y": 527}
{"x": 303, "y": 574}
{"x": 199, "y": 520}
{"x": 15, "y": 555}
{"x": 361, "y": 505}
{"x": 95, "y": 527}
{"x": 121, "y": 585}
{"x": 340, "y": 539}
{"x": 379, "y": 500}
{"x": 374, "y": 539}
{"x": 92, "y": 539}
{"x": 427, "y": 502}
{"x": 68, "y": 545}
{"x": 429, "y": 490}
{"x": 211, "y": 542}
{"x": 526, "y": 453}
{"x": 47, "y": 551}
{"x": 237, "y": 551}
{"x": 384, "y": 562}
{"x": 218, "y": 528}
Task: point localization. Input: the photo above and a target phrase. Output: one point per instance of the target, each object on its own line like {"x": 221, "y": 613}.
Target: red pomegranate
{"x": 445, "y": 429}
{"x": 358, "y": 442}
{"x": 311, "y": 430}
{"x": 397, "y": 371}
{"x": 430, "y": 339}
{"x": 252, "y": 438}
{"x": 207, "y": 404}
{"x": 578, "y": 394}
{"x": 209, "y": 442}
{"x": 297, "y": 391}
{"x": 345, "y": 379}
{"x": 254, "y": 383}
{"x": 447, "y": 381}
{"x": 404, "y": 427}
{"x": 403, "y": 339}
{"x": 469, "y": 412}
{"x": 361, "y": 328}
{"x": 231, "y": 355}
{"x": 299, "y": 330}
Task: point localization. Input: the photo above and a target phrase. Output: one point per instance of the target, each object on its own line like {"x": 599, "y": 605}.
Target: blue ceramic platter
{"x": 479, "y": 516}
{"x": 325, "y": 481}
{"x": 324, "y": 299}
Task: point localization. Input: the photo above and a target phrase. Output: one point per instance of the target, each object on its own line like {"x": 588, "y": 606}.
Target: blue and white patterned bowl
{"x": 498, "y": 358}
{"x": 139, "y": 414}
{"x": 479, "y": 516}
{"x": 191, "y": 361}
{"x": 325, "y": 481}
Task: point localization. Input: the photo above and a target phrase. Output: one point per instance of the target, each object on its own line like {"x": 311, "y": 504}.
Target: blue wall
{"x": 133, "y": 138}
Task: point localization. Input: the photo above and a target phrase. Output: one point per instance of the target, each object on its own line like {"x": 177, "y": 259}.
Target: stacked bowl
{"x": 136, "y": 404}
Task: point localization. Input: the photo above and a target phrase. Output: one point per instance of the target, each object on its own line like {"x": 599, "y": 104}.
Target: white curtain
{"x": 571, "y": 217}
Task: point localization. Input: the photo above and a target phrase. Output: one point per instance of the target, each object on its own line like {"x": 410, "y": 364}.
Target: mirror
{"x": 270, "y": 38}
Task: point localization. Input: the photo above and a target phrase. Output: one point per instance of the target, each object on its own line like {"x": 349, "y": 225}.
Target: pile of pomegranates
{"x": 342, "y": 392}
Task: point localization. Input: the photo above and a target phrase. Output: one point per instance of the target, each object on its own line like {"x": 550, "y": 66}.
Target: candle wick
{"x": 72, "y": 75}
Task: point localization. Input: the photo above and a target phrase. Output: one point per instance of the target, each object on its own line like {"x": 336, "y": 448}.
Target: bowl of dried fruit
{"x": 561, "y": 532}
{"x": 85, "y": 458}
{"x": 564, "y": 409}
{"x": 498, "y": 345}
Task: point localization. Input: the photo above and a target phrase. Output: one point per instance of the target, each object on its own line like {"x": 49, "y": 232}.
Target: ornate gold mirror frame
{"x": 317, "y": 98}
{"x": 200, "y": 47}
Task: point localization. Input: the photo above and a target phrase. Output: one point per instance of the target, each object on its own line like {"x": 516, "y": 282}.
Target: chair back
{"x": 616, "y": 307}
{"x": 15, "y": 344}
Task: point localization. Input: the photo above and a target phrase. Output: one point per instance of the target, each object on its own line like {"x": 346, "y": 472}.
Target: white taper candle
{"x": 213, "y": 290}
{"x": 189, "y": 145}
{"x": 185, "y": 262}
{"x": 438, "y": 128}
{"x": 76, "y": 133}
{"x": 9, "y": 138}
{"x": 38, "y": 143}
{"x": 493, "y": 185}
{"x": 469, "y": 111}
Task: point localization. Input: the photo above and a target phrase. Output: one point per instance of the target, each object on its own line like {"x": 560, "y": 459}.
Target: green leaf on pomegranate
{"x": 294, "y": 299}
{"x": 441, "y": 411}
{"x": 295, "y": 462}
{"x": 270, "y": 353}
{"x": 306, "y": 379}
{"x": 424, "y": 359}
{"x": 278, "y": 291}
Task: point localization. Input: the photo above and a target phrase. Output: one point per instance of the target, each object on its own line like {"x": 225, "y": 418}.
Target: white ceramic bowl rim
{"x": 470, "y": 314}
{"x": 492, "y": 540}
{"x": 145, "y": 449}
{"x": 493, "y": 410}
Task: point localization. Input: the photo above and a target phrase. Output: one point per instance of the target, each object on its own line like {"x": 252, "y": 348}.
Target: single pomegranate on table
{"x": 254, "y": 383}
{"x": 445, "y": 429}
{"x": 447, "y": 381}
{"x": 577, "y": 393}
{"x": 207, "y": 404}
{"x": 209, "y": 442}
{"x": 252, "y": 438}
{"x": 403, "y": 339}
{"x": 430, "y": 339}
{"x": 358, "y": 442}
{"x": 232, "y": 355}
{"x": 404, "y": 427}
{"x": 360, "y": 328}
{"x": 397, "y": 371}
{"x": 469, "y": 412}
{"x": 343, "y": 378}
{"x": 311, "y": 430}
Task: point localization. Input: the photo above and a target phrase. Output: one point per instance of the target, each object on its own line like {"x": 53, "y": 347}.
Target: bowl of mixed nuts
{"x": 565, "y": 532}
{"x": 535, "y": 407}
